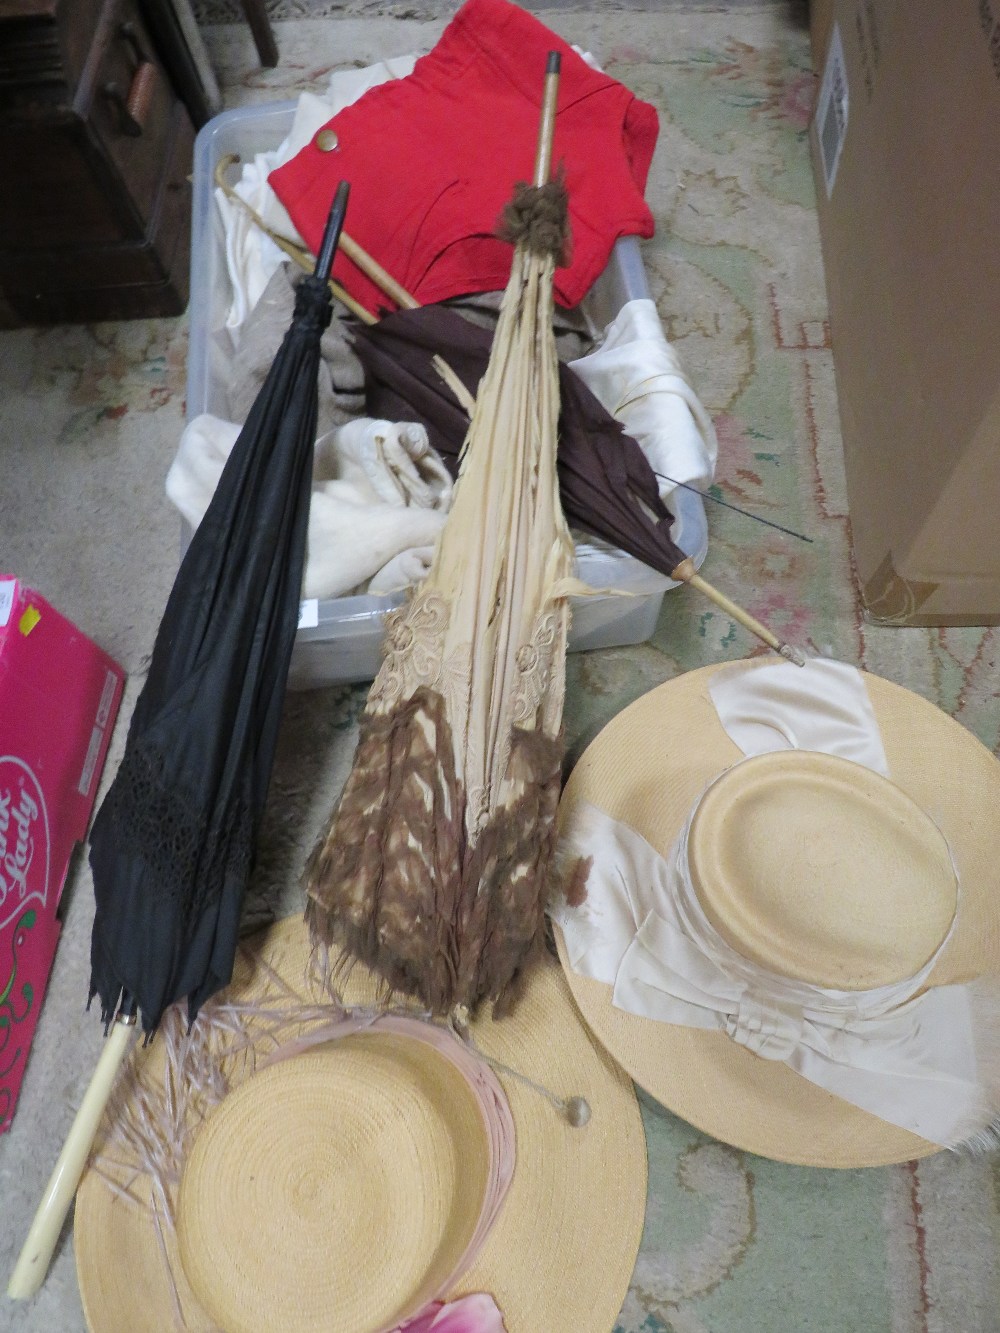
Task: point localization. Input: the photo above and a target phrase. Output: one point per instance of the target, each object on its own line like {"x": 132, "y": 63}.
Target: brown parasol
{"x": 434, "y": 869}
{"x": 606, "y": 483}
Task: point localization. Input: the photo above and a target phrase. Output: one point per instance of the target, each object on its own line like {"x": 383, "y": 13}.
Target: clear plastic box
{"x": 345, "y": 645}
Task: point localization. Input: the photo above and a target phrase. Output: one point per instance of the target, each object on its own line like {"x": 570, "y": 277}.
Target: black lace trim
{"x": 188, "y": 857}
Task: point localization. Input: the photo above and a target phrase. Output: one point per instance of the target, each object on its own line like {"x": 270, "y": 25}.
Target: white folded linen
{"x": 637, "y": 375}
{"x": 380, "y": 493}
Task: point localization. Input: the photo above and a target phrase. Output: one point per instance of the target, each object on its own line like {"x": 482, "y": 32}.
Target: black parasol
{"x": 173, "y": 843}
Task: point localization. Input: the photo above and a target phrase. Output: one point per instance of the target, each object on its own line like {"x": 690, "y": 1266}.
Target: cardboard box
{"x": 906, "y": 152}
{"x": 820, "y": 24}
{"x": 59, "y": 696}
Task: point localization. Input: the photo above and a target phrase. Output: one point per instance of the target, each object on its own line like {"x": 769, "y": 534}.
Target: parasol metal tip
{"x": 128, "y": 1007}
{"x": 552, "y": 65}
{"x": 331, "y": 234}
{"x": 793, "y": 654}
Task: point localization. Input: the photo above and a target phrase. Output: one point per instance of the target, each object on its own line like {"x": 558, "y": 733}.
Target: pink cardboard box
{"x": 59, "y": 696}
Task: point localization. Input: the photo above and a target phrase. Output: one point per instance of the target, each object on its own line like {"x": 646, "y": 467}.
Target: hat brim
{"x": 563, "y": 1248}
{"x": 647, "y": 768}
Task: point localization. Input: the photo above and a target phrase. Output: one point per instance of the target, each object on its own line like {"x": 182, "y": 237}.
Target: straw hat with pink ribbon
{"x": 292, "y": 1163}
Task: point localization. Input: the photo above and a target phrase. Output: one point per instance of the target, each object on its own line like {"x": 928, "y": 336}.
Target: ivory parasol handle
{"x": 547, "y": 128}
{"x": 36, "y": 1253}
{"x": 685, "y": 573}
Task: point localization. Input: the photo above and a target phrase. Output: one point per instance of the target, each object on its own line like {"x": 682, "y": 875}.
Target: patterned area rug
{"x": 733, "y": 1243}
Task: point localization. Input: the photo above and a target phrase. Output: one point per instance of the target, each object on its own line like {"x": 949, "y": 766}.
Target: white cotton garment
{"x": 379, "y": 500}
{"x": 405, "y": 570}
{"x": 637, "y": 376}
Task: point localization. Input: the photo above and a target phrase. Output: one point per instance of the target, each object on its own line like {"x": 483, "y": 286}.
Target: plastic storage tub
{"x": 345, "y": 642}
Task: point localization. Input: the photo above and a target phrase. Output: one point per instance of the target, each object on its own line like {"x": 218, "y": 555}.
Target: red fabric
{"x": 433, "y": 158}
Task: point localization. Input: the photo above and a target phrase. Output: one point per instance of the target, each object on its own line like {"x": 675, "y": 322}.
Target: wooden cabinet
{"x": 95, "y": 155}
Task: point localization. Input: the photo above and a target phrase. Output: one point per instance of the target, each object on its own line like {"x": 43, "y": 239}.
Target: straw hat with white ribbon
{"x": 781, "y": 913}
{"x": 248, "y": 1182}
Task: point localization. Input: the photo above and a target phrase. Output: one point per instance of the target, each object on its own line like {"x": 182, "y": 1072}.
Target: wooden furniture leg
{"x": 263, "y": 33}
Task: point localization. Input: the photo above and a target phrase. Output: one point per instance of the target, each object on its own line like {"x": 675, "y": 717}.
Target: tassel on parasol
{"x": 434, "y": 870}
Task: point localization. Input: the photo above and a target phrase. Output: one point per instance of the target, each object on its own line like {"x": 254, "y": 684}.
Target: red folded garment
{"x": 433, "y": 158}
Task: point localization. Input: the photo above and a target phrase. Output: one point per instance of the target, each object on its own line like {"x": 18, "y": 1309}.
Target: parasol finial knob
{"x": 577, "y": 1111}
{"x": 331, "y": 234}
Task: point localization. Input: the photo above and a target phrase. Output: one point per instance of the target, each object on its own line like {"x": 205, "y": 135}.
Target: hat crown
{"x": 365, "y": 1154}
{"x": 821, "y": 870}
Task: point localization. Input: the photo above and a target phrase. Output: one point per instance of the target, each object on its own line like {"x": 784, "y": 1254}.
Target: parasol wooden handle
{"x": 371, "y": 268}
{"x": 686, "y": 573}
{"x": 36, "y": 1253}
{"x": 547, "y": 125}
{"x": 297, "y": 253}
{"x": 365, "y": 262}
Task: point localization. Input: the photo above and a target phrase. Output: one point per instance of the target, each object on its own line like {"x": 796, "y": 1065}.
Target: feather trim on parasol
{"x": 435, "y": 868}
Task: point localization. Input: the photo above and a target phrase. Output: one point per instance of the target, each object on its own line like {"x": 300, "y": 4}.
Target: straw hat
{"x": 334, "y": 1188}
{"x": 849, "y": 913}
